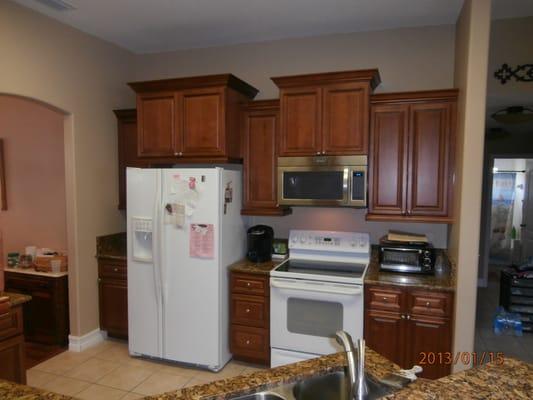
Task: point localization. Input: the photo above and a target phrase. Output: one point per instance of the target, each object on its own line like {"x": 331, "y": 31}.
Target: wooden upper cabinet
{"x": 430, "y": 148}
{"x": 191, "y": 119}
{"x": 300, "y": 123}
{"x": 157, "y": 124}
{"x": 412, "y": 146}
{"x": 325, "y": 113}
{"x": 345, "y": 119}
{"x": 260, "y": 134}
{"x": 388, "y": 157}
{"x": 203, "y": 122}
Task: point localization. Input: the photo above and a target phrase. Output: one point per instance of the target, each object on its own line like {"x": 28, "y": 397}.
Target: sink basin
{"x": 261, "y": 396}
{"x": 335, "y": 387}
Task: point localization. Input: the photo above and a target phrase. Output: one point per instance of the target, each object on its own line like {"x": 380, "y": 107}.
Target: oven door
{"x": 304, "y": 315}
{"x": 308, "y": 186}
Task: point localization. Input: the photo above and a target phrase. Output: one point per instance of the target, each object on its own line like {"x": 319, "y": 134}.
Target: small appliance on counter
{"x": 259, "y": 238}
{"x": 406, "y": 253}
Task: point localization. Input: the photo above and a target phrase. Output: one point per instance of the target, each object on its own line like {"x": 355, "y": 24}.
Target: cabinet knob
{"x": 181, "y": 153}
{"x": 385, "y": 299}
{"x": 408, "y": 316}
{"x": 403, "y": 316}
{"x": 248, "y": 284}
{"x": 176, "y": 153}
{"x": 115, "y": 269}
{"x": 318, "y": 153}
{"x": 247, "y": 310}
{"x": 428, "y": 304}
{"x": 248, "y": 341}
{"x": 99, "y": 279}
{"x": 324, "y": 152}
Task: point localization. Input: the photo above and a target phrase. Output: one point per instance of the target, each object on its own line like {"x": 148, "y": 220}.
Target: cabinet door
{"x": 114, "y": 307}
{"x": 12, "y": 366}
{"x": 345, "y": 119}
{"x": 157, "y": 130}
{"x": 430, "y": 170}
{"x": 260, "y": 128}
{"x": 388, "y": 159}
{"x": 384, "y": 333}
{"x": 428, "y": 340}
{"x": 301, "y": 114}
{"x": 202, "y": 122}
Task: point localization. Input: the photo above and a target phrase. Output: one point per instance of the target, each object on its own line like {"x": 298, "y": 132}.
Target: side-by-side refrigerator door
{"x": 144, "y": 281}
{"x": 190, "y": 265}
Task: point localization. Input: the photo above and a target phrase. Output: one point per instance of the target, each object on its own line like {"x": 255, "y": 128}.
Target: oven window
{"x": 312, "y": 317}
{"x": 313, "y": 185}
{"x": 400, "y": 257}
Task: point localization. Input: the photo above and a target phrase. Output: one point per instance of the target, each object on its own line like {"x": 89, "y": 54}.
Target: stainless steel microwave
{"x": 322, "y": 181}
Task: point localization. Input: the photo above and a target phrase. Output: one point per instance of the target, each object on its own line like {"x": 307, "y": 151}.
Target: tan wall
{"x": 471, "y": 55}
{"x": 35, "y": 174}
{"x": 45, "y": 60}
{"x": 408, "y": 59}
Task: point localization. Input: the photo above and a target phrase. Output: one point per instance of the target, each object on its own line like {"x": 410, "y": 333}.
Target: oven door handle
{"x": 350, "y": 291}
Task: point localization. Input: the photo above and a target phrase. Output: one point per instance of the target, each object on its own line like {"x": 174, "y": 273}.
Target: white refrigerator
{"x": 184, "y": 229}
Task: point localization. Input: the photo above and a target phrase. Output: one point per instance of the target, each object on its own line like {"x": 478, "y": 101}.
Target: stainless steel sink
{"x": 335, "y": 387}
{"x": 262, "y": 396}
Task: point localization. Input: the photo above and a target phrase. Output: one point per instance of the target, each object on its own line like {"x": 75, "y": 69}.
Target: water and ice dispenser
{"x": 142, "y": 239}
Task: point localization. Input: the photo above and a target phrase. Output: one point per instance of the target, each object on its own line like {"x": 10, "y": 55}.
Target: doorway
{"x": 506, "y": 240}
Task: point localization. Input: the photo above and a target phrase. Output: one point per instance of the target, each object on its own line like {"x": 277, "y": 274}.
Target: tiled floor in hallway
{"x": 486, "y": 341}
{"x": 107, "y": 372}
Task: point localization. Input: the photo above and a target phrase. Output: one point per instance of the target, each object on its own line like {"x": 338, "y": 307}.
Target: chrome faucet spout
{"x": 356, "y": 369}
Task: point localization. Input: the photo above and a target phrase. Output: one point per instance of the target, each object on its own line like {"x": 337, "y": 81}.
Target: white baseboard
{"x": 80, "y": 343}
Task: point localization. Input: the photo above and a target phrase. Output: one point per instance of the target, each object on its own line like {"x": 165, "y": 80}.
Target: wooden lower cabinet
{"x": 113, "y": 297}
{"x": 12, "y": 359}
{"x": 250, "y": 318}
{"x": 46, "y": 318}
{"x": 407, "y": 324}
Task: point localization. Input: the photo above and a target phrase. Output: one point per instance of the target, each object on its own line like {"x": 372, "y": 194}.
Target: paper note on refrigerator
{"x": 202, "y": 241}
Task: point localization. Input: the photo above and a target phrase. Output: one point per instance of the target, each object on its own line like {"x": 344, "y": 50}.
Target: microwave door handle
{"x": 316, "y": 288}
{"x": 346, "y": 185}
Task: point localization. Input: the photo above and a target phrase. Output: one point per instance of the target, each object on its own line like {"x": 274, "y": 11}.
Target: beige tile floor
{"x": 107, "y": 372}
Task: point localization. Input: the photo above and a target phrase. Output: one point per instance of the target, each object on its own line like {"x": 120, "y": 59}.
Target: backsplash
{"x": 347, "y": 219}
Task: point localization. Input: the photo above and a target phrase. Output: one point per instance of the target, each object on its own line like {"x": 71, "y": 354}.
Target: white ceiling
{"x": 147, "y": 26}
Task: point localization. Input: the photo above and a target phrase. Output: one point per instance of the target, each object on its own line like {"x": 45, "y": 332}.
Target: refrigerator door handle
{"x": 156, "y": 244}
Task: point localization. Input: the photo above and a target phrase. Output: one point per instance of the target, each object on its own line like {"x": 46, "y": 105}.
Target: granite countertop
{"x": 15, "y": 299}
{"x": 31, "y": 271}
{"x": 444, "y": 278}
{"x": 112, "y": 246}
{"x": 248, "y": 267}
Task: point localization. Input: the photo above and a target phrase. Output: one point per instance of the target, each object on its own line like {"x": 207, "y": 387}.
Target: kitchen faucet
{"x": 356, "y": 368}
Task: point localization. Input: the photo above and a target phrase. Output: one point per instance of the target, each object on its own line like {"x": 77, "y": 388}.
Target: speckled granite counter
{"x": 512, "y": 380}
{"x": 32, "y": 271}
{"x": 248, "y": 267}
{"x": 15, "y": 299}
{"x": 13, "y": 391}
{"x": 376, "y": 365}
{"x": 444, "y": 278}
{"x": 112, "y": 246}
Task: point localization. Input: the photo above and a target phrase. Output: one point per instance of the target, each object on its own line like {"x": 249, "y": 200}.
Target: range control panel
{"x": 349, "y": 242}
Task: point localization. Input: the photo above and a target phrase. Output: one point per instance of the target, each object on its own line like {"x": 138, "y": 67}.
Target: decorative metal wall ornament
{"x": 521, "y": 73}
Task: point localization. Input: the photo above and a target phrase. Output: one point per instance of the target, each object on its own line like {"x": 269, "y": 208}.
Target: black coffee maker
{"x": 260, "y": 243}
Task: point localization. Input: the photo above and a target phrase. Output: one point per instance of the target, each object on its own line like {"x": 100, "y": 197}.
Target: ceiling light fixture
{"x": 513, "y": 115}
{"x": 57, "y": 5}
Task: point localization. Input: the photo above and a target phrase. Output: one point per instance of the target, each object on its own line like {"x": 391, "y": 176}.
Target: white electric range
{"x": 317, "y": 291}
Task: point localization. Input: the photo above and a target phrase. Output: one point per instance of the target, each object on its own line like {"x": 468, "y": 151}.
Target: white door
{"x": 527, "y": 218}
{"x": 144, "y": 284}
{"x": 305, "y": 315}
{"x": 191, "y": 283}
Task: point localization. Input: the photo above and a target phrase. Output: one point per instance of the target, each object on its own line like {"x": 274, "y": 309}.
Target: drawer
{"x": 250, "y": 343}
{"x": 112, "y": 270}
{"x": 437, "y": 304}
{"x": 249, "y": 284}
{"x": 11, "y": 323}
{"x": 249, "y": 310}
{"x": 387, "y": 299}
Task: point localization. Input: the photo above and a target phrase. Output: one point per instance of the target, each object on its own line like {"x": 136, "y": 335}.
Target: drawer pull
{"x": 247, "y": 310}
